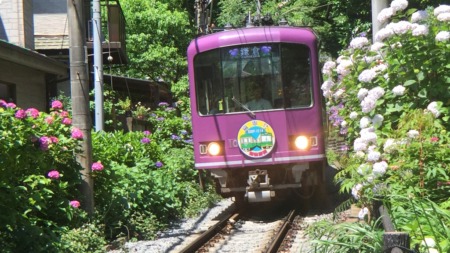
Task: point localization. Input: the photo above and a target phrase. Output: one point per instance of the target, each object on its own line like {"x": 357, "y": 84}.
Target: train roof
{"x": 261, "y": 34}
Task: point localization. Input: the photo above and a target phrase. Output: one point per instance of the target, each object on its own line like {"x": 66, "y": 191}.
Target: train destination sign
{"x": 256, "y": 138}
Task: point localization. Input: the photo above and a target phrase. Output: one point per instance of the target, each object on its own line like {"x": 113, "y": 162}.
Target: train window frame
{"x": 214, "y": 88}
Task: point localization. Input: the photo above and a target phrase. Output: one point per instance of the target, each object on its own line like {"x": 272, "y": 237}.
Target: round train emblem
{"x": 256, "y": 138}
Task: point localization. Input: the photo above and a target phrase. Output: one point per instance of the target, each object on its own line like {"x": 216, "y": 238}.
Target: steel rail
{"x": 274, "y": 246}
{"x": 210, "y": 233}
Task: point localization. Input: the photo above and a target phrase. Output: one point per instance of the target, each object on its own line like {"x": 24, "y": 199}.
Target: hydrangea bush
{"x": 147, "y": 178}
{"x": 39, "y": 177}
{"x": 390, "y": 98}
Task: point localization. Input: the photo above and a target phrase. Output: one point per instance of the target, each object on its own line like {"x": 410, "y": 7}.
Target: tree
{"x": 157, "y": 37}
{"x": 335, "y": 21}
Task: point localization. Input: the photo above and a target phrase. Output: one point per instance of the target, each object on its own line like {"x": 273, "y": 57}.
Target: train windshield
{"x": 253, "y": 77}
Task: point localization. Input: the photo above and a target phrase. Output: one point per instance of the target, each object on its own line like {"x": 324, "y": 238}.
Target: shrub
{"x": 391, "y": 101}
{"x": 39, "y": 176}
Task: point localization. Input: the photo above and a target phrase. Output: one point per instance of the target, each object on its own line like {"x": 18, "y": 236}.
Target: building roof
{"x": 32, "y": 59}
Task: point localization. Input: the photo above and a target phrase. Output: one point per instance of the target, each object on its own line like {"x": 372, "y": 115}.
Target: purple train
{"x": 257, "y": 112}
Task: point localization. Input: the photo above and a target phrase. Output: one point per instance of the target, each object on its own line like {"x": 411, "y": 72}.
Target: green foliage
{"x": 351, "y": 237}
{"x": 38, "y": 177}
{"x": 148, "y": 178}
{"x": 391, "y": 101}
{"x": 87, "y": 238}
{"x": 157, "y": 37}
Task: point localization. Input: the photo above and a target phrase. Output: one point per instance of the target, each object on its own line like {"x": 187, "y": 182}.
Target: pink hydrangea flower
{"x": 97, "y": 166}
{"x": 32, "y": 112}
{"x": 434, "y": 139}
{"x": 66, "y": 121}
{"x": 54, "y": 174}
{"x": 64, "y": 114}
{"x": 2, "y": 103}
{"x": 49, "y": 120}
{"x": 54, "y": 139}
{"x": 20, "y": 114}
{"x": 146, "y": 132}
{"x": 77, "y": 133}
{"x": 74, "y": 203}
{"x": 44, "y": 142}
{"x": 11, "y": 105}
{"x": 56, "y": 105}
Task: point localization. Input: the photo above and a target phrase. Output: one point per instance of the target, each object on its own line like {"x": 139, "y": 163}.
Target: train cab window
{"x": 226, "y": 78}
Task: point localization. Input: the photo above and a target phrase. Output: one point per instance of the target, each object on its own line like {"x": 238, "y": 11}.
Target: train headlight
{"x": 302, "y": 142}
{"x": 214, "y": 148}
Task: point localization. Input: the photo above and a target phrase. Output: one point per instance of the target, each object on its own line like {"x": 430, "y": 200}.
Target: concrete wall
{"x": 16, "y": 24}
{"x": 29, "y": 83}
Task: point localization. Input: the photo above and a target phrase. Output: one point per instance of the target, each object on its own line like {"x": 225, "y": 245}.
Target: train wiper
{"x": 243, "y": 106}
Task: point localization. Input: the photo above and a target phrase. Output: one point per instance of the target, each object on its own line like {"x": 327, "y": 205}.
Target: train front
{"x": 257, "y": 113}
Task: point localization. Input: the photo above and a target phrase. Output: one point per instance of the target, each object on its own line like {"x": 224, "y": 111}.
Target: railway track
{"x": 246, "y": 231}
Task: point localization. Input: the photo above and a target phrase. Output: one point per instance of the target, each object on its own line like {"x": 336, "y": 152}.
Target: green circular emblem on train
{"x": 256, "y": 138}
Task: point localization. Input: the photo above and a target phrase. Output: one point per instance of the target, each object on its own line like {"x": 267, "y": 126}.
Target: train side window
{"x": 297, "y": 86}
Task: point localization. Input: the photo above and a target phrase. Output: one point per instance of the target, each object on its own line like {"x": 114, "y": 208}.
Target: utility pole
{"x": 377, "y": 6}
{"x": 98, "y": 65}
{"x": 79, "y": 82}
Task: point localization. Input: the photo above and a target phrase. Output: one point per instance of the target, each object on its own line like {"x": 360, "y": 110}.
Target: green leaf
{"x": 409, "y": 82}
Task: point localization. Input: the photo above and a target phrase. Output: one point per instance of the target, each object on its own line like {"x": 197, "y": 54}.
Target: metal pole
{"x": 79, "y": 88}
{"x": 98, "y": 65}
{"x": 377, "y": 6}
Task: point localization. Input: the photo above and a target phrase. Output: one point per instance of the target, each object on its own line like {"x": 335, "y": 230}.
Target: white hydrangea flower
{"x": 377, "y": 120}
{"x": 362, "y": 93}
{"x": 344, "y": 67}
{"x": 338, "y": 93}
{"x": 369, "y": 129}
{"x": 443, "y": 36}
{"x": 369, "y": 59}
{"x": 399, "y": 5}
{"x": 400, "y": 27}
{"x": 377, "y": 46}
{"x": 342, "y": 58}
{"x": 359, "y": 42}
{"x": 360, "y": 154}
{"x": 385, "y": 14}
{"x": 383, "y": 34}
{"x": 364, "y": 122}
{"x": 328, "y": 67}
{"x": 367, "y": 76}
{"x": 421, "y": 30}
{"x": 444, "y": 17}
{"x": 372, "y": 148}
{"x": 363, "y": 213}
{"x": 327, "y": 85}
{"x": 369, "y": 137}
{"x": 412, "y": 134}
{"x": 380, "y": 168}
{"x": 389, "y": 145}
{"x": 429, "y": 242}
{"x": 359, "y": 145}
{"x": 433, "y": 107}
{"x": 353, "y": 115}
{"x": 441, "y": 9}
{"x": 356, "y": 191}
{"x": 419, "y": 16}
{"x": 368, "y": 104}
{"x": 364, "y": 169}
{"x": 380, "y": 67}
{"x": 376, "y": 92}
{"x": 399, "y": 90}
{"x": 373, "y": 156}
{"x": 344, "y": 123}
